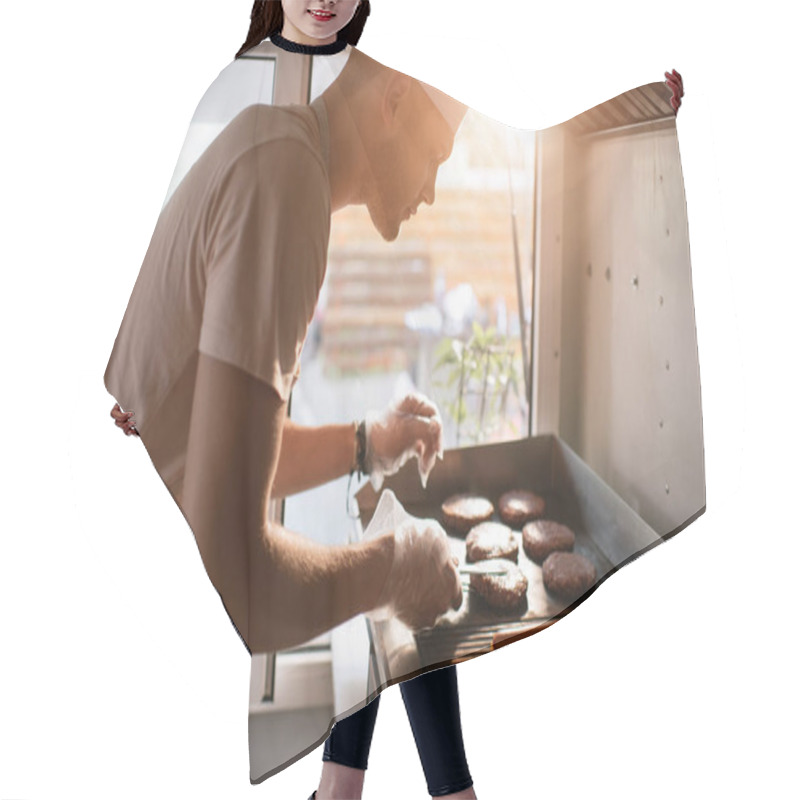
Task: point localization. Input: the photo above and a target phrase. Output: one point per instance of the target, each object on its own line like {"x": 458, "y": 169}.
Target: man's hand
{"x": 675, "y": 82}
{"x": 410, "y": 428}
{"x": 124, "y": 420}
{"x": 423, "y": 581}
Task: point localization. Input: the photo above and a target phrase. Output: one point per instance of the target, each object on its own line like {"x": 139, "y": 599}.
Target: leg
{"x": 433, "y": 711}
{"x": 345, "y": 755}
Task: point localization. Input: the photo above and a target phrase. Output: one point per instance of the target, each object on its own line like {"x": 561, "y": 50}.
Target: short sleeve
{"x": 267, "y": 240}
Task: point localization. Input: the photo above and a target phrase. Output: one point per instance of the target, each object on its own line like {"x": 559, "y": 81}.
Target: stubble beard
{"x": 385, "y": 223}
{"x": 388, "y": 230}
{"x": 385, "y": 217}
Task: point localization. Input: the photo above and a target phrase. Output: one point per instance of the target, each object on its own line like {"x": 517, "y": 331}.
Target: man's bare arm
{"x": 279, "y": 588}
{"x": 312, "y": 456}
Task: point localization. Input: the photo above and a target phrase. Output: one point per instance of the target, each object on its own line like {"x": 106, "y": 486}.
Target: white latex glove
{"x": 409, "y": 428}
{"x": 423, "y": 582}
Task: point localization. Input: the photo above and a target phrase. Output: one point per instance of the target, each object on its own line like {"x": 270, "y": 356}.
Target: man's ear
{"x": 396, "y": 93}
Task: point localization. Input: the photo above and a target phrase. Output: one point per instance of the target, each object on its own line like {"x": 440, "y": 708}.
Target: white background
{"x": 120, "y": 676}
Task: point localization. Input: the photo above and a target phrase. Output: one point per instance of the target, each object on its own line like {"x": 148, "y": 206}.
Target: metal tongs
{"x": 492, "y": 566}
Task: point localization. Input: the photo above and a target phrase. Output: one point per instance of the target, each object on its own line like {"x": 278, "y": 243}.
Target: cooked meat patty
{"x": 520, "y": 506}
{"x": 502, "y": 592}
{"x": 462, "y": 512}
{"x": 567, "y": 576}
{"x": 543, "y": 537}
{"x": 491, "y": 540}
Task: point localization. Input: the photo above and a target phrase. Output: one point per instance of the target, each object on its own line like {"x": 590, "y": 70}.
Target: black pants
{"x": 432, "y": 707}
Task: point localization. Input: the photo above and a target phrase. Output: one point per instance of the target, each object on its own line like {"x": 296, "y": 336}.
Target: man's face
{"x": 405, "y": 165}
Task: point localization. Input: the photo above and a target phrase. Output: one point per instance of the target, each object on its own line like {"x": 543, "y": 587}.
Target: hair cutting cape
{"x": 543, "y": 301}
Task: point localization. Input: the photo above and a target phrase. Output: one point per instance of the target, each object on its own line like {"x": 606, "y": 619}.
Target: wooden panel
{"x": 633, "y": 411}
{"x": 547, "y": 309}
{"x": 641, "y": 105}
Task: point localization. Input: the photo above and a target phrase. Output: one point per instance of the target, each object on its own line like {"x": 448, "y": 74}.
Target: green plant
{"x": 478, "y": 375}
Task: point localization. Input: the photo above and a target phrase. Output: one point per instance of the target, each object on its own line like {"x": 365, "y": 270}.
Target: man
{"x": 209, "y": 350}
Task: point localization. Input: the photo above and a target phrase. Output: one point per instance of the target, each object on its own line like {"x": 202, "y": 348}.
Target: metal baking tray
{"x": 608, "y": 532}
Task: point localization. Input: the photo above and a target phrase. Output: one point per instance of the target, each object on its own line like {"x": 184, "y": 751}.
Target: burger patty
{"x": 543, "y": 537}
{"x": 491, "y": 540}
{"x": 502, "y": 592}
{"x": 568, "y": 576}
{"x": 462, "y": 512}
{"x": 520, "y": 506}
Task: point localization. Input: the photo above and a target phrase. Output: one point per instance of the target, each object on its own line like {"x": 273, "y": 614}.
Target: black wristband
{"x": 361, "y": 448}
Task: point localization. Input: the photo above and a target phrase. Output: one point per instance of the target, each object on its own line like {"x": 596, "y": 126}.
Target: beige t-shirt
{"x": 233, "y": 270}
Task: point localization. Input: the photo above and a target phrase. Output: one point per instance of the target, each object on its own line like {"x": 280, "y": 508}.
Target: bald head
{"x": 388, "y": 139}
